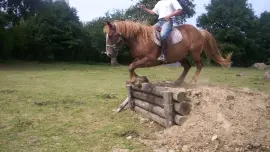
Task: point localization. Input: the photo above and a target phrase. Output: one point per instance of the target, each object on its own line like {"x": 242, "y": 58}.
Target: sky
{"x": 90, "y": 9}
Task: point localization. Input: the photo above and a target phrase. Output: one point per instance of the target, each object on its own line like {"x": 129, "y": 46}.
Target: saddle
{"x": 174, "y": 36}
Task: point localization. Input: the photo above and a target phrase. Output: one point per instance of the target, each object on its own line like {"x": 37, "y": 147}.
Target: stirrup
{"x": 161, "y": 58}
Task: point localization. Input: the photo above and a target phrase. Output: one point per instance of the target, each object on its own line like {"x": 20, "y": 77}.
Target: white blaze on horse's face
{"x": 107, "y": 37}
{"x": 113, "y": 40}
{"x": 109, "y": 49}
{"x": 109, "y": 45}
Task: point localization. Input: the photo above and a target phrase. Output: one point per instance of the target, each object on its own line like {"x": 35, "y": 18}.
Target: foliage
{"x": 53, "y": 33}
{"x": 17, "y": 9}
{"x": 263, "y": 35}
{"x": 47, "y": 30}
{"x": 236, "y": 28}
{"x": 135, "y": 13}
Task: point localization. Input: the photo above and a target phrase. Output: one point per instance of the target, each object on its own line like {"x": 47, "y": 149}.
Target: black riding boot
{"x": 162, "y": 57}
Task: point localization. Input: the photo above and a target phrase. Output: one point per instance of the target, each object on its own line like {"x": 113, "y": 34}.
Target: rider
{"x": 166, "y": 10}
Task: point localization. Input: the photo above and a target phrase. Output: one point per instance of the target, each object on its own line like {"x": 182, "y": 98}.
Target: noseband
{"x": 113, "y": 46}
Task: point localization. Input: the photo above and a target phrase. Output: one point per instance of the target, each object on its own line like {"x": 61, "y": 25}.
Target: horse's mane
{"x": 133, "y": 30}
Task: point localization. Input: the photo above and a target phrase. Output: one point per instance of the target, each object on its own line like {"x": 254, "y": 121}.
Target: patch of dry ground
{"x": 222, "y": 119}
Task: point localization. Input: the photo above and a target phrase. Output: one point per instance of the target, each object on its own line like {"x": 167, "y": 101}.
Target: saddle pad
{"x": 174, "y": 37}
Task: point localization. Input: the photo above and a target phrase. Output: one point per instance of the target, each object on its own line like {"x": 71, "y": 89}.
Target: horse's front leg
{"x": 140, "y": 63}
{"x": 132, "y": 77}
{"x": 132, "y": 74}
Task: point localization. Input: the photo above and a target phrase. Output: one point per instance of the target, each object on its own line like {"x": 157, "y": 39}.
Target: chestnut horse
{"x": 140, "y": 39}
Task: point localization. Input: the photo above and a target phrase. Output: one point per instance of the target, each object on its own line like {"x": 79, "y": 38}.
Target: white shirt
{"x": 165, "y": 7}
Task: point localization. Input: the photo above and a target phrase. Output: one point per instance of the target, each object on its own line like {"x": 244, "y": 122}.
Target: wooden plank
{"x": 178, "y": 119}
{"x": 168, "y": 109}
{"x": 182, "y": 108}
{"x": 178, "y": 94}
{"x": 131, "y": 101}
{"x": 148, "y": 98}
{"x": 150, "y": 115}
{"x": 150, "y": 107}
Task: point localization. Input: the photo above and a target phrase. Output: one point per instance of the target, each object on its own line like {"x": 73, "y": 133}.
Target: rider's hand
{"x": 143, "y": 6}
{"x": 167, "y": 18}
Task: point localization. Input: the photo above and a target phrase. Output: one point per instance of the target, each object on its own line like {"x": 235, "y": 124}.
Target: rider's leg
{"x": 166, "y": 29}
{"x": 158, "y": 24}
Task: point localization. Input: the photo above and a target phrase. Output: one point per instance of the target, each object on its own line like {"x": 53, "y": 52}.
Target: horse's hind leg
{"x": 196, "y": 53}
{"x": 185, "y": 63}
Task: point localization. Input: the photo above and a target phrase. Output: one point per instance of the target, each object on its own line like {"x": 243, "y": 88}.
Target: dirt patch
{"x": 222, "y": 119}
{"x": 128, "y": 134}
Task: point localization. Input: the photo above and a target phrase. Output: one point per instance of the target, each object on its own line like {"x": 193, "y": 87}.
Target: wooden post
{"x": 130, "y": 98}
{"x": 123, "y": 105}
{"x": 168, "y": 109}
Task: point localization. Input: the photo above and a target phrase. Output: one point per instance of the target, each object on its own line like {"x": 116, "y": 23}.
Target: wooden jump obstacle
{"x": 164, "y": 105}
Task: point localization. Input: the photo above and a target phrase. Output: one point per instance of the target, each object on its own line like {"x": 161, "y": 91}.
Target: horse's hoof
{"x": 129, "y": 82}
{"x": 193, "y": 82}
{"x": 178, "y": 82}
{"x": 138, "y": 84}
{"x": 190, "y": 82}
{"x": 142, "y": 79}
{"x": 145, "y": 79}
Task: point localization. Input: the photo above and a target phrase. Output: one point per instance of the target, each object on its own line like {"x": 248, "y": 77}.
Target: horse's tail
{"x": 211, "y": 50}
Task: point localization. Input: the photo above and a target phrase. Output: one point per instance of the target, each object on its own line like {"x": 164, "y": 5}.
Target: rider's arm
{"x": 175, "y": 13}
{"x": 153, "y": 12}
{"x": 149, "y": 11}
{"x": 178, "y": 8}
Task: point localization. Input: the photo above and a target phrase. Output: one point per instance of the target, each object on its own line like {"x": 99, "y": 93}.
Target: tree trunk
{"x": 114, "y": 62}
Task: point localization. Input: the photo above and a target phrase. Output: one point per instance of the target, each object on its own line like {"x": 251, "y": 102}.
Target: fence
{"x": 164, "y": 105}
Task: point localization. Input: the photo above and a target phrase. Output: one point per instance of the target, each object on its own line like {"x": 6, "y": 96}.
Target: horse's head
{"x": 113, "y": 40}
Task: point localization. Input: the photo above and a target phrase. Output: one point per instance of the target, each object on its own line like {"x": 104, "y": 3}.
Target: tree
{"x": 263, "y": 35}
{"x": 5, "y": 37}
{"x": 18, "y": 9}
{"x": 135, "y": 12}
{"x": 54, "y": 33}
{"x": 233, "y": 24}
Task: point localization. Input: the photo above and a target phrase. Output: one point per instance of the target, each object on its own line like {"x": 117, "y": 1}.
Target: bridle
{"x": 113, "y": 46}
{"x": 120, "y": 39}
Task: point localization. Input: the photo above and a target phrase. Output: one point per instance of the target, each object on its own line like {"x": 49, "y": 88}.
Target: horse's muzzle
{"x": 109, "y": 55}
{"x": 112, "y": 54}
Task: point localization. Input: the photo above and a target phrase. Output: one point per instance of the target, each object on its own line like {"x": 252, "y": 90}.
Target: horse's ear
{"x": 109, "y": 24}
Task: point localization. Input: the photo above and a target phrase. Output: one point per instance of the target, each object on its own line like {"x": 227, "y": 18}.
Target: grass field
{"x": 69, "y": 107}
